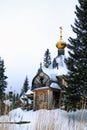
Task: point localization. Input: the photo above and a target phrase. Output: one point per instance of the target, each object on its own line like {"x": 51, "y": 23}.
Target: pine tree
{"x": 3, "y": 83}
{"x": 25, "y": 86}
{"x": 77, "y": 61}
{"x": 47, "y": 58}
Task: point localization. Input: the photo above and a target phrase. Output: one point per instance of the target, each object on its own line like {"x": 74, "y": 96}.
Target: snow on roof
{"x": 8, "y": 102}
{"x": 55, "y": 85}
{"x": 29, "y": 92}
{"x": 40, "y": 88}
{"x": 60, "y": 60}
{"x": 23, "y": 97}
{"x": 53, "y": 72}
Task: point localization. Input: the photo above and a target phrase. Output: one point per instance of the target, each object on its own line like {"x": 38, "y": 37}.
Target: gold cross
{"x": 60, "y": 32}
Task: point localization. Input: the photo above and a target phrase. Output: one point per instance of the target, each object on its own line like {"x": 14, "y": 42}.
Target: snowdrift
{"x": 45, "y": 120}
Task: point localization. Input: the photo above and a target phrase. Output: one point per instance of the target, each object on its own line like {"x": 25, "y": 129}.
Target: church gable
{"x": 40, "y": 80}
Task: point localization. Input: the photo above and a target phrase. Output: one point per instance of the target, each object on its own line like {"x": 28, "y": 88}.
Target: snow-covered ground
{"x": 45, "y": 120}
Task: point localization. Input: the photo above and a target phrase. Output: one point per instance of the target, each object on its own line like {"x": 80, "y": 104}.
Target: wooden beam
{"x": 20, "y": 122}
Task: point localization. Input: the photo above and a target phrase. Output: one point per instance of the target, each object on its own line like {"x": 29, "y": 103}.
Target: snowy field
{"x": 45, "y": 120}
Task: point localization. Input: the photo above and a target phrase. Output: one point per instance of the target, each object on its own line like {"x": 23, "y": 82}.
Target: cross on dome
{"x": 60, "y": 44}
{"x": 60, "y": 32}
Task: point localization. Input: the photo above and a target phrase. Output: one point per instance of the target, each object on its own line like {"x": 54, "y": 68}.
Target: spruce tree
{"x": 76, "y": 63}
{"x": 3, "y": 83}
{"x": 47, "y": 58}
{"x": 25, "y": 86}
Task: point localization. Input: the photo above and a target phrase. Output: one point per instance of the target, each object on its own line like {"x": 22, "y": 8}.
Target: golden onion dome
{"x": 60, "y": 44}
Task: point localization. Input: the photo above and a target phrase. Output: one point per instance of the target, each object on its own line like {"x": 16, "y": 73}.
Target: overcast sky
{"x": 27, "y": 29}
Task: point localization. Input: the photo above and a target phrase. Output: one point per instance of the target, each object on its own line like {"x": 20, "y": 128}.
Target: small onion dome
{"x": 60, "y": 44}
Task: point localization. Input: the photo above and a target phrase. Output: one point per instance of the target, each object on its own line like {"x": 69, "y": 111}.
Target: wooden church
{"x": 48, "y": 85}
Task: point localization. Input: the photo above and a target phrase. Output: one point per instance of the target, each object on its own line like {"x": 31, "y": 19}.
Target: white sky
{"x": 27, "y": 29}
